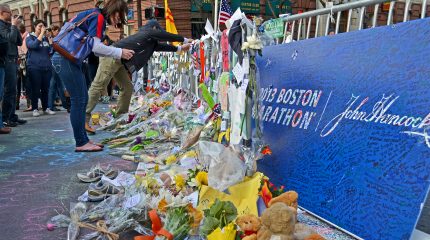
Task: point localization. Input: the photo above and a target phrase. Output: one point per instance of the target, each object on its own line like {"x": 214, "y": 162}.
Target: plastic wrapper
{"x": 225, "y": 167}
{"x": 102, "y": 209}
{"x": 192, "y": 137}
{"x": 60, "y": 221}
{"x": 76, "y": 212}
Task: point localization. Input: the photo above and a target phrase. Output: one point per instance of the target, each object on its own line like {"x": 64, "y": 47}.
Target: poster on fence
{"x": 348, "y": 120}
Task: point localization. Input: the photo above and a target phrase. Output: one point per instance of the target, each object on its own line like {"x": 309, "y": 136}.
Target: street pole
{"x": 216, "y": 16}
{"x": 139, "y": 13}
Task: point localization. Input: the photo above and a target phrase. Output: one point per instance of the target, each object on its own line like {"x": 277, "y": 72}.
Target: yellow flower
{"x": 148, "y": 182}
{"x": 191, "y": 154}
{"x": 162, "y": 205}
{"x": 171, "y": 159}
{"x": 179, "y": 182}
{"x": 202, "y": 178}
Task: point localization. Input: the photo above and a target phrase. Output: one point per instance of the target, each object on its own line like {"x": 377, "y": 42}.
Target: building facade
{"x": 190, "y": 15}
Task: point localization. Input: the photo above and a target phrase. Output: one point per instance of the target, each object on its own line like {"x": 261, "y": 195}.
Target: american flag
{"x": 225, "y": 12}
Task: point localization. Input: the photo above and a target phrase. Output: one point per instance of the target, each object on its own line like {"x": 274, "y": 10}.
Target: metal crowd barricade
{"x": 306, "y": 17}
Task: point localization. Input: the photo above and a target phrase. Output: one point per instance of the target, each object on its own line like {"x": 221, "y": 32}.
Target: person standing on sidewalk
{"x": 144, "y": 43}
{"x": 9, "y": 30}
{"x": 39, "y": 66}
{"x": 56, "y": 86}
{"x": 113, "y": 13}
{"x": 23, "y": 87}
{"x": 3, "y": 52}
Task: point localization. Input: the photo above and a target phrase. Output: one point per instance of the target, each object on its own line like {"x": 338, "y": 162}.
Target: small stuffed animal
{"x": 249, "y": 224}
{"x": 289, "y": 198}
{"x": 278, "y": 223}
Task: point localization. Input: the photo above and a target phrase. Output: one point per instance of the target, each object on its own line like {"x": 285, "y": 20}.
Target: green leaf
{"x": 209, "y": 225}
{"x": 152, "y": 134}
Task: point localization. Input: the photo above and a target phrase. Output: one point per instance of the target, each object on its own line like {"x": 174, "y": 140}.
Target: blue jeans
{"x": 74, "y": 79}
{"x": 1, "y": 94}
{"x": 56, "y": 85}
{"x": 9, "y": 94}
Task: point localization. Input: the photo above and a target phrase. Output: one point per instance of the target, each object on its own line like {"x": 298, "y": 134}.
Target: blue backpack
{"x": 73, "y": 42}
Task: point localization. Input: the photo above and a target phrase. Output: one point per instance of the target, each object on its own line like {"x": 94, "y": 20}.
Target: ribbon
{"x": 157, "y": 228}
{"x": 101, "y": 228}
{"x": 202, "y": 62}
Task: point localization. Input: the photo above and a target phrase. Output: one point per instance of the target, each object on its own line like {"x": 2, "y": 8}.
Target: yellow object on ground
{"x": 243, "y": 195}
{"x": 227, "y": 233}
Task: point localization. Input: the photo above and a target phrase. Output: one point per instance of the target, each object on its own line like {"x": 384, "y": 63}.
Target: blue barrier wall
{"x": 347, "y": 119}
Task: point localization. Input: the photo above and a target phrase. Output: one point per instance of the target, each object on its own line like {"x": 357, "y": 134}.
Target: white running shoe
{"x": 49, "y": 111}
{"x": 36, "y": 113}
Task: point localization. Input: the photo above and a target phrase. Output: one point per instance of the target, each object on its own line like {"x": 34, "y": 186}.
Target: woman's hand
{"x": 127, "y": 54}
{"x": 43, "y": 30}
{"x": 42, "y": 33}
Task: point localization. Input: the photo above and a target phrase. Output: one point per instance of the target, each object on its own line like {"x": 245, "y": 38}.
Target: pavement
{"x": 38, "y": 168}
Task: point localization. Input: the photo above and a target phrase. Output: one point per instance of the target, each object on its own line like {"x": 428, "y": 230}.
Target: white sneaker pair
{"x": 48, "y": 111}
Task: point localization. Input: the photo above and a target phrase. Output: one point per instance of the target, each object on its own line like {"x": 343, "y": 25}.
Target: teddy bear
{"x": 301, "y": 232}
{"x": 290, "y": 198}
{"x": 278, "y": 222}
{"x": 249, "y": 225}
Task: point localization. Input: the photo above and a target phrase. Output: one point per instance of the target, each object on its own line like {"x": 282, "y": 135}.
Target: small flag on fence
{"x": 225, "y": 12}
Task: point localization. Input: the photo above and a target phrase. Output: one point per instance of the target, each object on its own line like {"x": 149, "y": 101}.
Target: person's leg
{"x": 107, "y": 68}
{"x": 75, "y": 83}
{"x": 52, "y": 91}
{"x": 84, "y": 69}
{"x": 109, "y": 88}
{"x": 18, "y": 89}
{"x": 44, "y": 88}
{"x": 126, "y": 89}
{"x": 35, "y": 76}
{"x": 9, "y": 90}
{"x": 92, "y": 71}
{"x": 27, "y": 90}
{"x": 61, "y": 90}
{"x": 3, "y": 129}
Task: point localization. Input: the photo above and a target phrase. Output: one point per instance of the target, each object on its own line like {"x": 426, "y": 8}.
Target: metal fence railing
{"x": 332, "y": 16}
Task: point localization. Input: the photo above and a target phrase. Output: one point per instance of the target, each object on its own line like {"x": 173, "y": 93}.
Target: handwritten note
{"x": 238, "y": 72}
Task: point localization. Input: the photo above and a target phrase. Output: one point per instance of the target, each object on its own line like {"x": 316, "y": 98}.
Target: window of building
{"x": 47, "y": 17}
{"x": 33, "y": 18}
{"x": 64, "y": 16}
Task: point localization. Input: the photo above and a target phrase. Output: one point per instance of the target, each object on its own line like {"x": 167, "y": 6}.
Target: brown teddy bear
{"x": 290, "y": 198}
{"x": 278, "y": 222}
{"x": 249, "y": 225}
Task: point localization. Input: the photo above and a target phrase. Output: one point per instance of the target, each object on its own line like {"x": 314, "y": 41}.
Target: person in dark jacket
{"x": 143, "y": 43}
{"x": 39, "y": 66}
{"x": 9, "y": 30}
{"x": 3, "y": 53}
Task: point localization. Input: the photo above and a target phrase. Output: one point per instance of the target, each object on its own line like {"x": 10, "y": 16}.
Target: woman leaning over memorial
{"x": 95, "y": 20}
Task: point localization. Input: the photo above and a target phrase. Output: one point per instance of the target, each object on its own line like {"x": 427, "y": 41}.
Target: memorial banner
{"x": 348, "y": 120}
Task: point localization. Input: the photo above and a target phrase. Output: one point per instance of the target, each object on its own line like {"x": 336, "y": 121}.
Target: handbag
{"x": 73, "y": 42}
